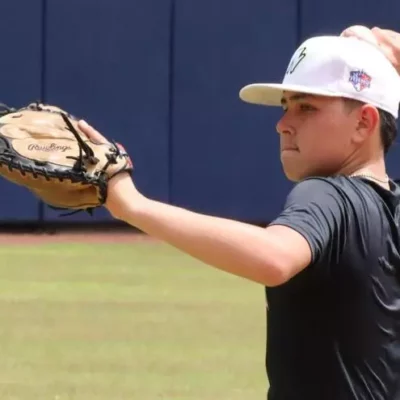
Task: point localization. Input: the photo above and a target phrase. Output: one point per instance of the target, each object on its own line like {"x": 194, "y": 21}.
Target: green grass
{"x": 119, "y": 322}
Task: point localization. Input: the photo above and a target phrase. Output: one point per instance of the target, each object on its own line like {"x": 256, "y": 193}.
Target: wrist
{"x": 123, "y": 198}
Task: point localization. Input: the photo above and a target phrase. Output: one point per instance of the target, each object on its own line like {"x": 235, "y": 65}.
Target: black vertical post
{"x": 171, "y": 97}
{"x": 299, "y": 22}
{"x": 43, "y": 62}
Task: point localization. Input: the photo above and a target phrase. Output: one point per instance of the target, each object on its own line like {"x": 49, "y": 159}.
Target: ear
{"x": 367, "y": 122}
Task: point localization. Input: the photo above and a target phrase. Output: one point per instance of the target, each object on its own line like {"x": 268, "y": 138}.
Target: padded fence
{"x": 162, "y": 77}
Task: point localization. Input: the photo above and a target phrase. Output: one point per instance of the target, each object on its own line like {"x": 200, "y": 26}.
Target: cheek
{"x": 325, "y": 135}
{"x": 339, "y": 136}
{"x": 310, "y": 139}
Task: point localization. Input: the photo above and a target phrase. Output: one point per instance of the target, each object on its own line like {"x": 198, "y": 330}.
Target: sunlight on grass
{"x": 118, "y": 322}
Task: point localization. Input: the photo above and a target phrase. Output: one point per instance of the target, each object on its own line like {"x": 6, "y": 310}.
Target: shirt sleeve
{"x": 317, "y": 209}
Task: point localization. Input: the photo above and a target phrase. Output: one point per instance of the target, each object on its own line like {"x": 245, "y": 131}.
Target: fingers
{"x": 348, "y": 32}
{"x": 362, "y": 33}
{"x": 387, "y": 37}
{"x": 389, "y": 42}
{"x": 91, "y": 133}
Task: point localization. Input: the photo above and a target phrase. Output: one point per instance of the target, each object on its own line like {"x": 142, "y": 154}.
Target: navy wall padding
{"x": 331, "y": 17}
{"x": 108, "y": 61}
{"x": 225, "y": 157}
{"x": 20, "y": 82}
{"x": 163, "y": 78}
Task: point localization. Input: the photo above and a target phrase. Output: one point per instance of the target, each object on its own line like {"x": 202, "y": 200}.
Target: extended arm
{"x": 268, "y": 256}
{"x": 298, "y": 237}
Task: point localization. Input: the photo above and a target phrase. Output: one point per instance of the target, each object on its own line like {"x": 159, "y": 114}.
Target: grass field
{"x": 126, "y": 321}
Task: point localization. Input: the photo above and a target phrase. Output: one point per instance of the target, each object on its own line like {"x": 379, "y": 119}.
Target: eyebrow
{"x": 296, "y": 97}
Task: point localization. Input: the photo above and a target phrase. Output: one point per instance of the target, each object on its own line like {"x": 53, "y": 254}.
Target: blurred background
{"x": 115, "y": 316}
{"x": 162, "y": 77}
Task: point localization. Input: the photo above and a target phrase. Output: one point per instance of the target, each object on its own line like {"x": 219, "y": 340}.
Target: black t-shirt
{"x": 333, "y": 330}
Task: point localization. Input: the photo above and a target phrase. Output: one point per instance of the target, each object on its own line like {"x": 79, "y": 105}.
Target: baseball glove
{"x": 42, "y": 149}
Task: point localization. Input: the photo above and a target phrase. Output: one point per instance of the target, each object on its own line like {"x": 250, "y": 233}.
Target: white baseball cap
{"x": 338, "y": 67}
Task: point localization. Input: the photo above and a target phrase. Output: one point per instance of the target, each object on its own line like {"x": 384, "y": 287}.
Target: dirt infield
{"x": 94, "y": 236}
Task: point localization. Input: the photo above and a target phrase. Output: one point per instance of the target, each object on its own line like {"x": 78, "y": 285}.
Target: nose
{"x": 283, "y": 127}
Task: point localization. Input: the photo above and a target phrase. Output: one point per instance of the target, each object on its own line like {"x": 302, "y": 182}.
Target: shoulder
{"x": 322, "y": 210}
{"x": 334, "y": 183}
{"x": 324, "y": 189}
{"x": 317, "y": 209}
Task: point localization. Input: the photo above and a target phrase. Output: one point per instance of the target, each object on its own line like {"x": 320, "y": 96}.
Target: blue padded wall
{"x": 109, "y": 62}
{"x": 20, "y": 82}
{"x": 225, "y": 157}
{"x": 163, "y": 77}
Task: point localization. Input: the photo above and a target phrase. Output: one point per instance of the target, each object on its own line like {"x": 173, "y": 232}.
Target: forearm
{"x": 238, "y": 248}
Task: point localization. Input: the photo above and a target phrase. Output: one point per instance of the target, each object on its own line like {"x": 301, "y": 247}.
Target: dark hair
{"x": 388, "y": 125}
{"x": 388, "y": 129}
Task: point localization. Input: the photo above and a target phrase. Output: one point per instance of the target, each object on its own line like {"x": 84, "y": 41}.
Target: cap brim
{"x": 270, "y": 94}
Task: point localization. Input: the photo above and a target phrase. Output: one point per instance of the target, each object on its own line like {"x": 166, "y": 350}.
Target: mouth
{"x": 289, "y": 149}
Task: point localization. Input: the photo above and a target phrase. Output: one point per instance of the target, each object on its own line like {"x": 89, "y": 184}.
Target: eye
{"x": 307, "y": 107}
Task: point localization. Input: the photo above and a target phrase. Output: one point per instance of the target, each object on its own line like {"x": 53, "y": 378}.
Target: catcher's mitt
{"x": 42, "y": 149}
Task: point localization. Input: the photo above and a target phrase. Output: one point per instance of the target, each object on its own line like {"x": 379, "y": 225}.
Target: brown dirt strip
{"x": 73, "y": 237}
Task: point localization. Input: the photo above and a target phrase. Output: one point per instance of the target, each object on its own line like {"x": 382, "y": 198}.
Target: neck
{"x": 375, "y": 170}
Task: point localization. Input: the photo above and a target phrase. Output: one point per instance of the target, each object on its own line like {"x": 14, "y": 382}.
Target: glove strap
{"x": 82, "y": 145}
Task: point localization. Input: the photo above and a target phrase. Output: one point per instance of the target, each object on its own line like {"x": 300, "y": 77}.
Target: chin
{"x": 292, "y": 172}
{"x": 296, "y": 171}
{"x": 291, "y": 166}
{"x": 296, "y": 174}
{"x": 292, "y": 176}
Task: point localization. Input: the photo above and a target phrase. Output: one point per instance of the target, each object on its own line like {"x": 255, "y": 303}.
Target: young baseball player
{"x": 330, "y": 261}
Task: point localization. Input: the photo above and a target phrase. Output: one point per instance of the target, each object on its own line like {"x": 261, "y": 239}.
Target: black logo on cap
{"x": 296, "y": 61}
